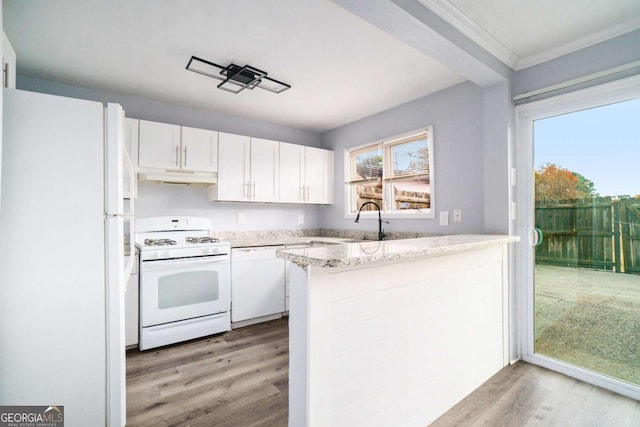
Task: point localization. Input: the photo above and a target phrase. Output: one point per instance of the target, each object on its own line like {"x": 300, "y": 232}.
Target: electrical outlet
{"x": 457, "y": 215}
{"x": 300, "y": 218}
{"x": 444, "y": 218}
{"x": 241, "y": 218}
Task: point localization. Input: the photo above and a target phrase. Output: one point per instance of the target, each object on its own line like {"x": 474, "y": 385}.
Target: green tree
{"x": 585, "y": 187}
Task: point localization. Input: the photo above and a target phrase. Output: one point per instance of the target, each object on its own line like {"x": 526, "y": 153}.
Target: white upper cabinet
{"x": 306, "y": 174}
{"x": 291, "y": 173}
{"x": 315, "y": 175}
{"x": 233, "y": 168}
{"x": 247, "y": 169}
{"x": 264, "y": 170}
{"x": 199, "y": 149}
{"x": 159, "y": 145}
{"x": 131, "y": 129}
{"x": 178, "y": 154}
{"x": 242, "y": 169}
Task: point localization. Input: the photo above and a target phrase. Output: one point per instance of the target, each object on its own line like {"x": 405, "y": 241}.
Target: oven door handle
{"x": 150, "y": 264}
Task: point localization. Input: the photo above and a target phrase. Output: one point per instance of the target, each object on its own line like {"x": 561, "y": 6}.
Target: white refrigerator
{"x": 62, "y": 267}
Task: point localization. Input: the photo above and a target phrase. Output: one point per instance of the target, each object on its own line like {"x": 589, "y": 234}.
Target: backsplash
{"x": 371, "y": 235}
{"x": 283, "y": 235}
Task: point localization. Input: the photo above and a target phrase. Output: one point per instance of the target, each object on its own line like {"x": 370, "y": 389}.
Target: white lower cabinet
{"x": 131, "y": 309}
{"x": 257, "y": 285}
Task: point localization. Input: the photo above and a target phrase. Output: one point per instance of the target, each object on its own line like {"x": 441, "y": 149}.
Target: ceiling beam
{"x": 414, "y": 24}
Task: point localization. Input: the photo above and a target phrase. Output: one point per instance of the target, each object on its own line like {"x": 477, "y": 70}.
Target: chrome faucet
{"x": 380, "y": 231}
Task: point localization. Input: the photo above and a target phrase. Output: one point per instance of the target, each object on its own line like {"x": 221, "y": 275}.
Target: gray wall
{"x": 498, "y": 115}
{"x": 456, "y": 114}
{"x": 171, "y": 199}
{"x": 611, "y": 53}
{"x": 166, "y": 199}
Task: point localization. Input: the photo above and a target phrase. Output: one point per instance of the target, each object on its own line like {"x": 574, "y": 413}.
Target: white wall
{"x": 456, "y": 114}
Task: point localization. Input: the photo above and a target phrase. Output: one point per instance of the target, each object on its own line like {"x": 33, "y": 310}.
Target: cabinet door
{"x": 257, "y": 283}
{"x": 291, "y": 173}
{"x": 159, "y": 145}
{"x": 199, "y": 149}
{"x": 315, "y": 174}
{"x": 264, "y": 170}
{"x": 233, "y": 167}
{"x": 131, "y": 145}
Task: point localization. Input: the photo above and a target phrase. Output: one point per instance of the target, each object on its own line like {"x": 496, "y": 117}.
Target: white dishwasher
{"x": 257, "y": 285}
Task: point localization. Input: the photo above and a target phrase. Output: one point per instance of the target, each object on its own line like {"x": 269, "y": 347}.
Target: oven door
{"x": 179, "y": 289}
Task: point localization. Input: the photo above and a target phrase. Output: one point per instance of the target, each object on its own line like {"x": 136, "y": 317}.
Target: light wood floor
{"x": 524, "y": 395}
{"x": 240, "y": 379}
{"x": 235, "y": 379}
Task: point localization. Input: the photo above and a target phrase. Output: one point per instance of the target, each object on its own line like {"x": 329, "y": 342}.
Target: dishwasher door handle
{"x": 256, "y": 253}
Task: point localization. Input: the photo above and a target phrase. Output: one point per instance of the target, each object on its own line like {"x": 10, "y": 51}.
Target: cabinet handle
{"x": 253, "y": 190}
{"x": 302, "y": 192}
{"x": 246, "y": 191}
{"x": 177, "y": 155}
{"x": 184, "y": 161}
{"x": 306, "y": 195}
{"x": 5, "y": 74}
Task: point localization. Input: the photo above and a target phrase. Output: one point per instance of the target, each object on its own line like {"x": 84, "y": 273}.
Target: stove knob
{"x": 164, "y": 254}
{"x": 153, "y": 254}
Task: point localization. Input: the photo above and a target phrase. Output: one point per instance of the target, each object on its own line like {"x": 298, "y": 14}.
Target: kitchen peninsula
{"x": 394, "y": 332}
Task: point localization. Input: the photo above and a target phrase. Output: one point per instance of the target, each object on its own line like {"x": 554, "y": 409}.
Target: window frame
{"x": 387, "y": 181}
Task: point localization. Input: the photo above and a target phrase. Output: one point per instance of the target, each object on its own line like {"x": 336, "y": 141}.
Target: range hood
{"x": 177, "y": 176}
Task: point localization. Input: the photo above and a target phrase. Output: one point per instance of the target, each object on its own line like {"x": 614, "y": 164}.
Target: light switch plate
{"x": 444, "y": 218}
{"x": 300, "y": 218}
{"x": 241, "y": 218}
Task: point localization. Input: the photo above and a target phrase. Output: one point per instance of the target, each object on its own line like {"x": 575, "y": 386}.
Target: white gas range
{"x": 184, "y": 280}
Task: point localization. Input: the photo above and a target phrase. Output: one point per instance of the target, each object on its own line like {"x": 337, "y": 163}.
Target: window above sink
{"x": 396, "y": 173}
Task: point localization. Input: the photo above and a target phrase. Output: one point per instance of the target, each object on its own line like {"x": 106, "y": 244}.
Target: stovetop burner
{"x": 159, "y": 242}
{"x": 202, "y": 240}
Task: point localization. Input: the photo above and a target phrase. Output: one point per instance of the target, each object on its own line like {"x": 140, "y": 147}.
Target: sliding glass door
{"x": 583, "y": 211}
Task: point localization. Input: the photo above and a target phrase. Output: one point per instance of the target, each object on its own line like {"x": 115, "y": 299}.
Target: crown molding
{"x": 461, "y": 22}
{"x": 581, "y": 43}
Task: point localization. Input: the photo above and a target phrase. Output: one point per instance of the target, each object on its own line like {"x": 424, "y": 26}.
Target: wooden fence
{"x": 403, "y": 199}
{"x": 601, "y": 233}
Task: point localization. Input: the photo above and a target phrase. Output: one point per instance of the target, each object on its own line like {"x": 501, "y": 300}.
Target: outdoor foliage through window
{"x": 395, "y": 174}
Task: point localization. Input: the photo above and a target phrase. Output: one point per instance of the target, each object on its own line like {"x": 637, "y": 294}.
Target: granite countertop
{"x": 286, "y": 240}
{"x": 251, "y": 238}
{"x": 360, "y": 253}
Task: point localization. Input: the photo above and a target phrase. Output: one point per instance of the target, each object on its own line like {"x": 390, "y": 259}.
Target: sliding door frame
{"x": 526, "y": 114}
